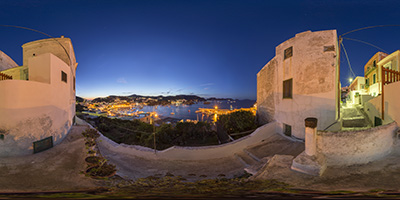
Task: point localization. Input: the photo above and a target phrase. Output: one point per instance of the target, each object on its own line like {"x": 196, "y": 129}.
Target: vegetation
{"x": 237, "y": 122}
{"x": 139, "y": 133}
{"x": 184, "y": 134}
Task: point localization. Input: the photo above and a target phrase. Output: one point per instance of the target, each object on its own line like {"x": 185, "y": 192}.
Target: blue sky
{"x": 202, "y": 47}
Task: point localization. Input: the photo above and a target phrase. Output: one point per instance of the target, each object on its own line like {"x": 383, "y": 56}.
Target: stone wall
{"x": 266, "y": 80}
{"x": 356, "y": 147}
{"x": 188, "y": 153}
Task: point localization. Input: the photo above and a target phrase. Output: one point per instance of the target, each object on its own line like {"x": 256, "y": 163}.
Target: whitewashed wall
{"x": 188, "y": 153}
{"x": 356, "y": 147}
{"x": 31, "y": 110}
{"x": 314, "y": 74}
{"x": 392, "y": 105}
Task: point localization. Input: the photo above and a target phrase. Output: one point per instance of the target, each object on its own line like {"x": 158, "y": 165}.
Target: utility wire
{"x": 368, "y": 27}
{"x": 34, "y": 30}
{"x": 348, "y": 61}
{"x": 365, "y": 43}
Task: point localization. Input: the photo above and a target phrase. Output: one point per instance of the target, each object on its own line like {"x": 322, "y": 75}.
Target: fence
{"x": 388, "y": 76}
{"x": 5, "y": 77}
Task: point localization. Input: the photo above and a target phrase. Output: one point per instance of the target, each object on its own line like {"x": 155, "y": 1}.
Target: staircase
{"x": 354, "y": 117}
{"x": 250, "y": 162}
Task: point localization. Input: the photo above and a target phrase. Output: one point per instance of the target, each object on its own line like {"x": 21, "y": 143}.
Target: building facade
{"x": 372, "y": 72}
{"x": 357, "y": 88}
{"x": 301, "y": 81}
{"x": 37, "y": 102}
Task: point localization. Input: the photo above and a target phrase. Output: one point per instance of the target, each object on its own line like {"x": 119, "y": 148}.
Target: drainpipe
{"x": 311, "y": 136}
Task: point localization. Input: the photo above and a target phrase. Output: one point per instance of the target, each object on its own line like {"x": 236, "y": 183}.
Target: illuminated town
{"x": 130, "y": 109}
{"x": 199, "y": 99}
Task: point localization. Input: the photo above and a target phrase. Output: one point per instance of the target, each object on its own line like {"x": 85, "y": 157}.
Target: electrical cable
{"x": 368, "y": 27}
{"x": 348, "y": 61}
{"x": 34, "y": 30}
{"x": 365, "y": 43}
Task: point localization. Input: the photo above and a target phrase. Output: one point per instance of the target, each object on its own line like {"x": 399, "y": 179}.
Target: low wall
{"x": 392, "y": 106}
{"x": 188, "y": 153}
{"x": 356, "y": 147}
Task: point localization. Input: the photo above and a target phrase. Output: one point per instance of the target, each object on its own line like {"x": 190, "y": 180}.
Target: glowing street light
{"x": 350, "y": 80}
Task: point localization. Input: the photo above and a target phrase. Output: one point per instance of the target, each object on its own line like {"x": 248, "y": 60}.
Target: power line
{"x": 368, "y": 27}
{"x": 43, "y": 33}
{"x": 348, "y": 61}
{"x": 365, "y": 43}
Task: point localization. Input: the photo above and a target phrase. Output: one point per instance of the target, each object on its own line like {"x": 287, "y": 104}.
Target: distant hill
{"x": 79, "y": 99}
{"x": 134, "y": 97}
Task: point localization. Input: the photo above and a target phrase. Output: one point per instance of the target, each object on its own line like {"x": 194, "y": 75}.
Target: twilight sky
{"x": 202, "y": 47}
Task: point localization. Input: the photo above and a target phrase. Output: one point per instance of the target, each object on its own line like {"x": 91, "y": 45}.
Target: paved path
{"x": 133, "y": 167}
{"x": 56, "y": 169}
{"x": 380, "y": 174}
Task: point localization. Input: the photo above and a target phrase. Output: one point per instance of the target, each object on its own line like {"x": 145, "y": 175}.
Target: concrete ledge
{"x": 308, "y": 165}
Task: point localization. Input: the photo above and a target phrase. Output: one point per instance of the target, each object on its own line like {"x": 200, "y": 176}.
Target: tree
{"x": 238, "y": 121}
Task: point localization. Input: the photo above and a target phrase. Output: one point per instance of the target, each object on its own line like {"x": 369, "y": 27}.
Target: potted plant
{"x": 93, "y": 160}
{"x": 103, "y": 170}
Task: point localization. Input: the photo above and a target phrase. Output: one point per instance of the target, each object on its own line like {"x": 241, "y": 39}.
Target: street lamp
{"x": 154, "y": 132}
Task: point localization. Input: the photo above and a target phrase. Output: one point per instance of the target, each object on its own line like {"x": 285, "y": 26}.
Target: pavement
{"x": 56, "y": 169}
{"x": 59, "y": 168}
{"x": 132, "y": 167}
{"x": 383, "y": 174}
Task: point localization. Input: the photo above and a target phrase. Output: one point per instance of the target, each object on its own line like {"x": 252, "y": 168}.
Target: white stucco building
{"x": 301, "y": 81}
{"x": 37, "y": 104}
{"x": 357, "y": 88}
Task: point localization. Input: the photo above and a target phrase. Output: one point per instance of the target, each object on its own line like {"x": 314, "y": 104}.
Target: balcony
{"x": 5, "y": 77}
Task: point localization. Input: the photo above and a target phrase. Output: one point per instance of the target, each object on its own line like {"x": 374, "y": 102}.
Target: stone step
{"x": 245, "y": 159}
{"x": 354, "y": 122}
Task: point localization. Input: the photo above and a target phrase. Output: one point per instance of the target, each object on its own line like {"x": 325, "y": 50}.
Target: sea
{"x": 189, "y": 111}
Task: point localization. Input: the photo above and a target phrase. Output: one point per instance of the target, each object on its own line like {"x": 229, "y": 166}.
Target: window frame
{"x": 288, "y": 53}
{"x": 287, "y": 94}
{"x": 64, "y": 77}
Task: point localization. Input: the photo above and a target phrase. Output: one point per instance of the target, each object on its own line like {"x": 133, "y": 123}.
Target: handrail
{"x": 5, "y": 77}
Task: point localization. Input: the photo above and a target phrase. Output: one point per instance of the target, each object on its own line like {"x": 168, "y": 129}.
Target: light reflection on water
{"x": 189, "y": 111}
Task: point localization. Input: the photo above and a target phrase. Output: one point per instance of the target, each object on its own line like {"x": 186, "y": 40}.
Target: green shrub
{"x": 237, "y": 122}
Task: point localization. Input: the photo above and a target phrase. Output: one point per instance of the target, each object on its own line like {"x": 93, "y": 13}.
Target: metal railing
{"x": 5, "y": 77}
{"x": 388, "y": 76}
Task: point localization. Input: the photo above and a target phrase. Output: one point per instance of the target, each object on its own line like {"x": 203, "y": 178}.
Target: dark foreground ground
{"x": 171, "y": 187}
{"x": 58, "y": 174}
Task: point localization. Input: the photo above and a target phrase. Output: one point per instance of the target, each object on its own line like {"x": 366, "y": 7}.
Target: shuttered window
{"x": 288, "y": 89}
{"x": 63, "y": 76}
{"x": 288, "y": 53}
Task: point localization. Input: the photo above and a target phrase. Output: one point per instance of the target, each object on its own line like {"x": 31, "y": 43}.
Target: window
{"x": 63, "y": 76}
{"x": 288, "y": 53}
{"x": 287, "y": 130}
{"x": 74, "y": 84}
{"x": 367, "y": 82}
{"x": 287, "y": 89}
{"x": 374, "y": 78}
{"x": 329, "y": 48}
{"x": 374, "y": 64}
{"x": 1, "y": 136}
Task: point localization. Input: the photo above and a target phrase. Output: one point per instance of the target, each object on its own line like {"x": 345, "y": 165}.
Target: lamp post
{"x": 154, "y": 132}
